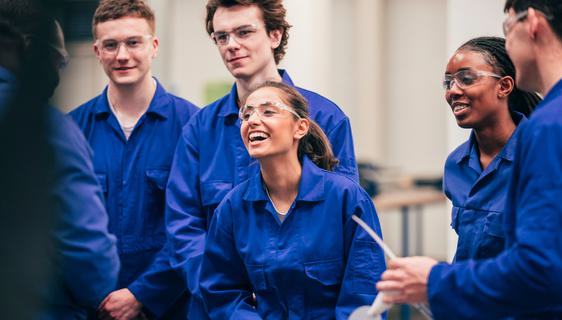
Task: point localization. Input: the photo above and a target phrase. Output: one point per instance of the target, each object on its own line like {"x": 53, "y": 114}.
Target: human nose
{"x": 454, "y": 86}
{"x": 453, "y": 91}
{"x": 254, "y": 117}
{"x": 232, "y": 41}
{"x": 122, "y": 51}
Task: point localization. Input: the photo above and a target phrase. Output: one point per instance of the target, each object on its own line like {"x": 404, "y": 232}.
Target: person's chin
{"x": 125, "y": 80}
{"x": 239, "y": 71}
{"x": 257, "y": 153}
{"x": 465, "y": 124}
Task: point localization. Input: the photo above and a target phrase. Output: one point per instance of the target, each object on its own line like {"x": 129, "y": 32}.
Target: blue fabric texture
{"x": 86, "y": 264}
{"x": 479, "y": 196}
{"x": 317, "y": 264}
{"x": 523, "y": 281}
{"x": 133, "y": 174}
{"x": 211, "y": 159}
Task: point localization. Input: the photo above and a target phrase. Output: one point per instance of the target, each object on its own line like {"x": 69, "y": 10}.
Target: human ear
{"x": 303, "y": 126}
{"x": 155, "y": 43}
{"x": 97, "y": 51}
{"x": 533, "y": 22}
{"x": 275, "y": 37}
{"x": 506, "y": 85}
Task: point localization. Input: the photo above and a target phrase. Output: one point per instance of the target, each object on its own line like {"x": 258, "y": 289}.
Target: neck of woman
{"x": 281, "y": 178}
{"x": 492, "y": 138}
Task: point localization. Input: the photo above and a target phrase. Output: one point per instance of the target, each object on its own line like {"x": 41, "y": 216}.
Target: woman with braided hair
{"x": 480, "y": 88}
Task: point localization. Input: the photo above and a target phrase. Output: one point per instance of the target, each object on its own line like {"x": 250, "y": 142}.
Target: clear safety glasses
{"x": 266, "y": 110}
{"x": 110, "y": 47}
{"x": 511, "y": 21}
{"x": 240, "y": 34}
{"x": 466, "y": 78}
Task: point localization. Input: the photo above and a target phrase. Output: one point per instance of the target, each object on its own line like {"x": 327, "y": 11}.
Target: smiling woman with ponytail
{"x": 286, "y": 235}
{"x": 315, "y": 143}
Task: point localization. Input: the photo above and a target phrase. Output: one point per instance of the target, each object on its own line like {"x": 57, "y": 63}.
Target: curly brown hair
{"x": 114, "y": 9}
{"x": 273, "y": 13}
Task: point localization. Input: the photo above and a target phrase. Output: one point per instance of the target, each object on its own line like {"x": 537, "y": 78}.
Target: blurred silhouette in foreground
{"x": 58, "y": 260}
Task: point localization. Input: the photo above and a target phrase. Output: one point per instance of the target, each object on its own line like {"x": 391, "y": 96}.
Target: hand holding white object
{"x": 374, "y": 311}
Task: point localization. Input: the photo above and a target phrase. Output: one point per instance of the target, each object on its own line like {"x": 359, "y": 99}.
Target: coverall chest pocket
{"x": 455, "y": 219}
{"x": 214, "y": 191}
{"x": 324, "y": 273}
{"x": 492, "y": 241}
{"x": 155, "y": 201}
{"x": 157, "y": 178}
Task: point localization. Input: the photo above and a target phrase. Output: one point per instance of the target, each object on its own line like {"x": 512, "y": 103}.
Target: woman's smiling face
{"x": 268, "y": 128}
{"x": 477, "y": 104}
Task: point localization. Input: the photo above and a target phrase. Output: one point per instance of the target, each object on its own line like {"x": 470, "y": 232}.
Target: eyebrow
{"x": 236, "y": 28}
{"x": 125, "y": 38}
{"x": 461, "y": 69}
{"x": 266, "y": 103}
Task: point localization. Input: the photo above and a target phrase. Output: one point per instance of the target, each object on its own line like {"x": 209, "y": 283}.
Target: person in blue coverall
{"x": 480, "y": 87}
{"x": 211, "y": 158}
{"x": 88, "y": 263}
{"x": 133, "y": 127}
{"x": 523, "y": 281}
{"x": 85, "y": 263}
{"x": 286, "y": 234}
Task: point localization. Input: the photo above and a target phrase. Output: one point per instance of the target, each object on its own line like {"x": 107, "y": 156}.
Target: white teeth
{"x": 258, "y": 136}
{"x": 459, "y": 107}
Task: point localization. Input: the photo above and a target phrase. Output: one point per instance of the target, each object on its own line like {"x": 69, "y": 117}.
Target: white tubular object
{"x": 378, "y": 306}
{"x": 362, "y": 313}
{"x": 375, "y": 236}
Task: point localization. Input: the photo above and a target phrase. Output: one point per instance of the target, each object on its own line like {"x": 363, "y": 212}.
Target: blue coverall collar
{"x": 231, "y": 107}
{"x": 508, "y": 151}
{"x": 311, "y": 186}
{"x": 157, "y": 105}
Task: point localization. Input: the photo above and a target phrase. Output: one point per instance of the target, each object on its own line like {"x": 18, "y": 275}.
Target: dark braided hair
{"x": 315, "y": 143}
{"x": 494, "y": 53}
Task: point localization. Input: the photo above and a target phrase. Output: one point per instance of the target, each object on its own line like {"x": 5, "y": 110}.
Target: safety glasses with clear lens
{"x": 265, "y": 110}
{"x": 240, "y": 34}
{"x": 466, "y": 78}
{"x": 132, "y": 44}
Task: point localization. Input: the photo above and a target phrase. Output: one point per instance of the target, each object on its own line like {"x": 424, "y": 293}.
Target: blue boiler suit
{"x": 211, "y": 159}
{"x": 86, "y": 264}
{"x": 133, "y": 174}
{"x": 479, "y": 196}
{"x": 524, "y": 280}
{"x": 317, "y": 264}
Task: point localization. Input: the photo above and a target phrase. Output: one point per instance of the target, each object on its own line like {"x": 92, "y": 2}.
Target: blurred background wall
{"x": 381, "y": 61}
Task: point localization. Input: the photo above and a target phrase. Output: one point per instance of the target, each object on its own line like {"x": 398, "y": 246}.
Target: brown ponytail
{"x": 315, "y": 143}
{"x": 317, "y": 147}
